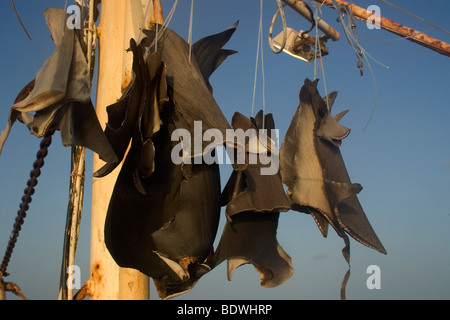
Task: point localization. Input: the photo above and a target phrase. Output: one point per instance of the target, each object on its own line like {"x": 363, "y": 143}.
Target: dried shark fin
{"x": 251, "y": 238}
{"x": 313, "y": 169}
{"x": 168, "y": 231}
{"x": 122, "y": 115}
{"x": 63, "y": 80}
{"x": 209, "y": 51}
{"x": 165, "y": 224}
{"x": 154, "y": 99}
{"x": 192, "y": 97}
{"x": 187, "y": 238}
{"x": 250, "y": 141}
{"x": 79, "y": 126}
{"x": 253, "y": 204}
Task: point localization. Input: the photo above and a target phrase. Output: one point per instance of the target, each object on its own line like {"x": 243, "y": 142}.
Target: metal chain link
{"x": 26, "y": 198}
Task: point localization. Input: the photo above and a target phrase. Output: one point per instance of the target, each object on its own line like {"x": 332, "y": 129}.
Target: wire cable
{"x": 414, "y": 16}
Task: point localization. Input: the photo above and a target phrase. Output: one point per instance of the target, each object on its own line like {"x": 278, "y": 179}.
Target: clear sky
{"x": 402, "y": 159}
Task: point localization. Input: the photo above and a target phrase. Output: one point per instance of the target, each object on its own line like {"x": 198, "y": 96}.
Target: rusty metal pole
{"x": 120, "y": 21}
{"x": 396, "y": 28}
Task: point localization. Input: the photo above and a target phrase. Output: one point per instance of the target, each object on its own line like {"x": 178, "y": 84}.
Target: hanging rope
{"x": 157, "y": 26}
{"x": 145, "y": 19}
{"x": 159, "y": 33}
{"x": 317, "y": 48}
{"x": 20, "y": 21}
{"x": 190, "y": 30}
{"x": 259, "y": 51}
{"x": 414, "y": 16}
{"x": 283, "y": 19}
{"x": 352, "y": 38}
{"x": 26, "y": 198}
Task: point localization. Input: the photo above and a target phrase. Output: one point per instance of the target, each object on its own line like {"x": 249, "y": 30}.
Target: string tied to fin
{"x": 190, "y": 30}
{"x": 346, "y": 255}
{"x": 259, "y": 51}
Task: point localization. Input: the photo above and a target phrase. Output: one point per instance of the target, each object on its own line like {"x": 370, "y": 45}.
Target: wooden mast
{"x": 120, "y": 21}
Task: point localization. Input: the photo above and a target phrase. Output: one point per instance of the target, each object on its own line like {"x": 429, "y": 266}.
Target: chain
{"x": 26, "y": 198}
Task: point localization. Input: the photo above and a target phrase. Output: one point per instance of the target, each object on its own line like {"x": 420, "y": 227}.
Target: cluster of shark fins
{"x": 163, "y": 217}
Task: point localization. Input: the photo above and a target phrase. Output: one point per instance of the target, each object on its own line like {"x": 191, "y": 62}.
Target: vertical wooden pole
{"x": 120, "y": 20}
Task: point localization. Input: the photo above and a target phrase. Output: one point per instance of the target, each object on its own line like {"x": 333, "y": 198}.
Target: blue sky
{"x": 402, "y": 159}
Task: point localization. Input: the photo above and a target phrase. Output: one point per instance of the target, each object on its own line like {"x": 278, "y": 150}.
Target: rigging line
{"x": 257, "y": 57}
{"x": 143, "y": 21}
{"x": 316, "y": 42}
{"x": 263, "y": 77}
{"x": 317, "y": 48}
{"x": 20, "y": 21}
{"x": 414, "y": 16}
{"x": 360, "y": 52}
{"x": 157, "y": 25}
{"x": 190, "y": 30}
{"x": 375, "y": 89}
{"x": 164, "y": 26}
{"x": 316, "y": 19}
{"x": 283, "y": 19}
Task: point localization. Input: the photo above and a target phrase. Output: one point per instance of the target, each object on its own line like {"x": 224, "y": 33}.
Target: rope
{"x": 317, "y": 48}
{"x": 157, "y": 25}
{"x": 414, "y": 16}
{"x": 159, "y": 33}
{"x": 359, "y": 51}
{"x": 145, "y": 19}
{"x": 190, "y": 30}
{"x": 283, "y": 19}
{"x": 20, "y": 21}
{"x": 259, "y": 51}
{"x": 26, "y": 198}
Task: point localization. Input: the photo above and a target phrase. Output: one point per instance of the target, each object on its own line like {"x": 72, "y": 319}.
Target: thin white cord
{"x": 414, "y": 16}
{"x": 257, "y": 57}
{"x": 145, "y": 19}
{"x": 157, "y": 26}
{"x": 361, "y": 52}
{"x": 317, "y": 48}
{"x": 259, "y": 51}
{"x": 164, "y": 26}
{"x": 190, "y": 30}
{"x": 262, "y": 75}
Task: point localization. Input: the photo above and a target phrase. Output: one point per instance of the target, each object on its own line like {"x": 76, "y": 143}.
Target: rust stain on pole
{"x": 396, "y": 28}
